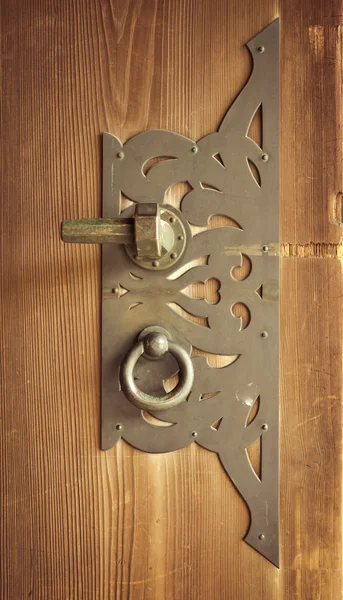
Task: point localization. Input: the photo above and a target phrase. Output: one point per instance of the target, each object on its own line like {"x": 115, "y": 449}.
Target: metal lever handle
{"x": 155, "y": 237}
{"x": 143, "y": 230}
{"x": 98, "y": 231}
{"x": 155, "y": 345}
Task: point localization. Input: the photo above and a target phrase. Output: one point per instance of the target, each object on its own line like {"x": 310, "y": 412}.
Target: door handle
{"x": 154, "y": 343}
{"x": 98, "y": 231}
{"x": 155, "y": 237}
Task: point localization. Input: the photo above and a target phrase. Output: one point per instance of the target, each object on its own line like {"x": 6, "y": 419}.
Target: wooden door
{"x": 82, "y": 524}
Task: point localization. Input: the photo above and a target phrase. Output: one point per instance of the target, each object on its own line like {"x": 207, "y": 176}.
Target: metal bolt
{"x": 262, "y": 536}
{"x": 264, "y": 334}
{"x": 120, "y": 155}
{"x": 172, "y": 220}
{"x": 180, "y": 237}
{"x": 119, "y": 426}
{"x": 261, "y": 49}
{"x": 155, "y": 263}
{"x": 265, "y": 427}
{"x": 265, "y": 248}
{"x": 194, "y": 433}
{"x": 173, "y": 255}
{"x": 265, "y": 157}
{"x": 194, "y": 149}
{"x": 115, "y": 291}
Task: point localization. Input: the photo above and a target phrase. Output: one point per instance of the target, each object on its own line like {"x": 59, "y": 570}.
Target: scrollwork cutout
{"x": 217, "y": 172}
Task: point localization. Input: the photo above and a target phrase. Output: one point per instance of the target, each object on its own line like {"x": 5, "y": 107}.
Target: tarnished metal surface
{"x": 147, "y": 230}
{"x": 98, "y": 231}
{"x": 155, "y": 342}
{"x": 155, "y": 237}
{"x": 217, "y": 169}
{"x": 172, "y": 240}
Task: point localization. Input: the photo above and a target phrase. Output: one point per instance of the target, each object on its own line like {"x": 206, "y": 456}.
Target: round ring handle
{"x": 155, "y": 345}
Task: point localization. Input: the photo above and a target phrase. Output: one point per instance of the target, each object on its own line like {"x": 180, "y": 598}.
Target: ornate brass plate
{"x": 219, "y": 170}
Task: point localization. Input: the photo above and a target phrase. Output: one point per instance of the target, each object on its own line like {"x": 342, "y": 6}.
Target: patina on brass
{"x": 154, "y": 343}
{"x": 145, "y": 283}
{"x": 147, "y": 225}
{"x": 155, "y": 236}
{"x": 98, "y": 231}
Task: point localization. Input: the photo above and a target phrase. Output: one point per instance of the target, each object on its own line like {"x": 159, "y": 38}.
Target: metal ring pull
{"x": 155, "y": 345}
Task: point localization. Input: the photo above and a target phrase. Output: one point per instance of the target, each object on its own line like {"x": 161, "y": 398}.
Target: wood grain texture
{"x": 311, "y": 116}
{"x": 81, "y": 524}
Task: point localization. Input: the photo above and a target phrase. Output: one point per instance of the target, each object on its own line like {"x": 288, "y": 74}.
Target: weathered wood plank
{"x": 81, "y": 524}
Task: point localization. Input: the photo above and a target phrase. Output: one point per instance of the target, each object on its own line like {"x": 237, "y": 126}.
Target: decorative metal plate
{"x": 218, "y": 169}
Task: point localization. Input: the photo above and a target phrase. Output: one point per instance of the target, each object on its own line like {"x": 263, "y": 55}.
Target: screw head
{"x": 194, "y": 434}
{"x": 264, "y": 334}
{"x": 120, "y": 155}
{"x": 119, "y": 426}
{"x": 262, "y": 536}
{"x": 265, "y": 427}
{"x": 172, "y": 220}
{"x": 155, "y": 263}
{"x": 265, "y": 248}
{"x": 155, "y": 344}
{"x": 261, "y": 49}
{"x": 180, "y": 237}
{"x": 173, "y": 255}
{"x": 115, "y": 291}
{"x": 194, "y": 149}
{"x": 265, "y": 157}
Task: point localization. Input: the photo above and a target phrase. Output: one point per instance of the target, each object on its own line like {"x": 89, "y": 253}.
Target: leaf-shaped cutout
{"x": 222, "y": 221}
{"x": 208, "y": 291}
{"x": 135, "y": 277}
{"x": 134, "y": 304}
{"x": 254, "y": 172}
{"x": 121, "y": 290}
{"x": 209, "y": 395}
{"x": 176, "y": 193}
{"x": 242, "y": 271}
{"x": 259, "y": 290}
{"x": 241, "y": 311}
{"x": 254, "y": 456}
{"x": 125, "y": 202}
{"x": 216, "y": 361}
{"x": 219, "y": 159}
{"x": 170, "y": 383}
{"x": 203, "y": 321}
{"x": 217, "y": 424}
{"x": 208, "y": 186}
{"x": 253, "y": 411}
{"x": 202, "y": 260}
{"x": 149, "y": 164}
{"x": 255, "y": 128}
{"x": 215, "y": 222}
{"x": 154, "y": 421}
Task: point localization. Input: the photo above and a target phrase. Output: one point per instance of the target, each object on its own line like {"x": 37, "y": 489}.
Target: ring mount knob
{"x": 155, "y": 344}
